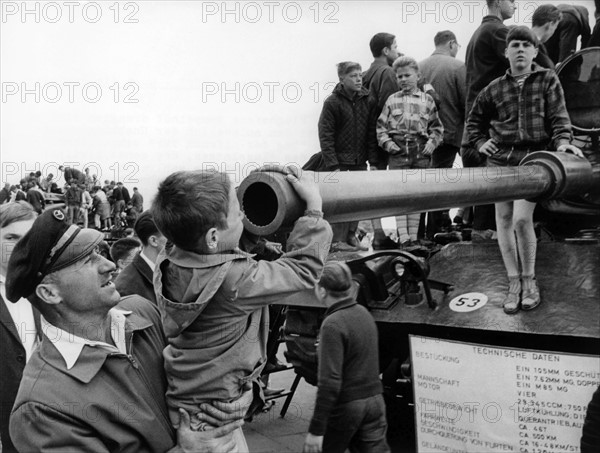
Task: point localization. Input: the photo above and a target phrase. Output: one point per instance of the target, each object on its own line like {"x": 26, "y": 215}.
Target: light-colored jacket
{"x": 215, "y": 316}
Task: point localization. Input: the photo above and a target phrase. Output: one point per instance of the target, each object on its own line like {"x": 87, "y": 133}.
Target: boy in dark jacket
{"x": 347, "y": 133}
{"x": 349, "y": 411}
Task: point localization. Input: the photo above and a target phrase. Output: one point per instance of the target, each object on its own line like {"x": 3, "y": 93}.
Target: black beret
{"x": 50, "y": 245}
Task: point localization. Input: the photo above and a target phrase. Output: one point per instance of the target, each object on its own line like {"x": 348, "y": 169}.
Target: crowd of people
{"x": 88, "y": 202}
{"x": 158, "y": 342}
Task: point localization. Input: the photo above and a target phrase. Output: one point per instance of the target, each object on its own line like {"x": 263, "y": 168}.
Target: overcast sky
{"x": 136, "y": 90}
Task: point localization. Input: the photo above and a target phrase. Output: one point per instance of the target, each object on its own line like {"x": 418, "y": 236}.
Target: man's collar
{"x": 148, "y": 261}
{"x": 64, "y": 351}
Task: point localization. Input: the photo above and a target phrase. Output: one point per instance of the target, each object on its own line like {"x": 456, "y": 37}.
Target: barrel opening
{"x": 259, "y": 203}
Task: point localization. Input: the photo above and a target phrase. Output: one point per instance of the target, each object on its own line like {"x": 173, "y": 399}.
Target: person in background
{"x": 86, "y": 204}
{"x": 575, "y": 23}
{"x": 73, "y": 197}
{"x": 544, "y": 21}
{"x": 380, "y": 80}
{"x": 72, "y": 174}
{"x": 19, "y": 322}
{"x": 349, "y": 410}
{"x": 35, "y": 197}
{"x": 137, "y": 201}
{"x": 447, "y": 75}
{"x": 5, "y": 193}
{"x": 137, "y": 278}
{"x": 409, "y": 129}
{"x": 123, "y": 252}
{"x": 347, "y": 137}
{"x": 88, "y": 180}
{"x": 485, "y": 61}
{"x": 101, "y": 207}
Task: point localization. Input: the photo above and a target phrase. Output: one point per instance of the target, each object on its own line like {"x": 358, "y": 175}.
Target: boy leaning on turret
{"x": 521, "y": 112}
{"x": 214, "y": 298}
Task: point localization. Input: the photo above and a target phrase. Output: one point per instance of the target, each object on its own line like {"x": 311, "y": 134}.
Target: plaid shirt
{"x": 410, "y": 116}
{"x": 532, "y": 116}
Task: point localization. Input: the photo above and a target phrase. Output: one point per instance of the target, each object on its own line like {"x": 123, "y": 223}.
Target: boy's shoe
{"x": 531, "y": 294}
{"x": 446, "y": 238}
{"x": 483, "y": 236}
{"x": 512, "y": 301}
{"x": 353, "y": 241}
{"x": 385, "y": 244}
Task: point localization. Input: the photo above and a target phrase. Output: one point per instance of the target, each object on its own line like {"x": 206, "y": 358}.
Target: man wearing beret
{"x": 96, "y": 381}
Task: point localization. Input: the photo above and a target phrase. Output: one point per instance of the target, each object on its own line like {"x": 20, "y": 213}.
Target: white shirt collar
{"x": 147, "y": 260}
{"x": 70, "y": 346}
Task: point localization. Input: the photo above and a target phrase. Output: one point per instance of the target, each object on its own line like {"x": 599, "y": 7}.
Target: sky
{"x": 137, "y": 90}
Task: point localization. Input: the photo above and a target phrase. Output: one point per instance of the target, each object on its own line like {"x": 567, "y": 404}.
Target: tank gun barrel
{"x": 270, "y": 203}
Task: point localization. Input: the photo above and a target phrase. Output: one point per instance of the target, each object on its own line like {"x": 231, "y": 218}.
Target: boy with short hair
{"x": 520, "y": 112}
{"x": 214, "y": 298}
{"x": 409, "y": 129}
{"x": 349, "y": 409}
{"x": 347, "y": 137}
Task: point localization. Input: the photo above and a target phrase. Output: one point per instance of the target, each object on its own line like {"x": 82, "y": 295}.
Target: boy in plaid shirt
{"x": 520, "y": 112}
{"x": 409, "y": 129}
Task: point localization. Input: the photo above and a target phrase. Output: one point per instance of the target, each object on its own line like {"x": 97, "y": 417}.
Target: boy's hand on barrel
{"x": 570, "y": 149}
{"x": 304, "y": 184}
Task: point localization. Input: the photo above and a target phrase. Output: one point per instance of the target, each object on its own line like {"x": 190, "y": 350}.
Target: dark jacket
{"x": 348, "y": 360}
{"x": 137, "y": 202}
{"x": 36, "y": 199}
{"x": 136, "y": 279}
{"x": 73, "y": 196}
{"x": 107, "y": 402}
{"x": 73, "y": 173}
{"x": 347, "y": 129}
{"x": 12, "y": 363}
{"x": 575, "y": 22}
{"x": 121, "y": 194}
{"x": 486, "y": 59}
{"x": 4, "y": 196}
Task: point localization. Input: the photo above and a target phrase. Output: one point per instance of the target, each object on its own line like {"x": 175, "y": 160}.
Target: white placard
{"x": 473, "y": 397}
{"x": 468, "y": 302}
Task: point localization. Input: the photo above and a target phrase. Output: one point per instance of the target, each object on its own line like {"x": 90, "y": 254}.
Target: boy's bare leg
{"x": 506, "y": 237}
{"x": 526, "y": 239}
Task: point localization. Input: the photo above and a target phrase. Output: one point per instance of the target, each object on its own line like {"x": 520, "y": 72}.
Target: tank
{"x": 459, "y": 374}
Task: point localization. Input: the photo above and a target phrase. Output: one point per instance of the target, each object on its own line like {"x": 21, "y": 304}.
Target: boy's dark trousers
{"x": 484, "y": 216}
{"x": 358, "y": 425}
{"x": 443, "y": 157}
